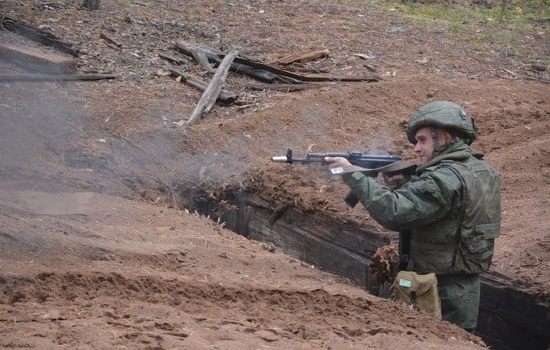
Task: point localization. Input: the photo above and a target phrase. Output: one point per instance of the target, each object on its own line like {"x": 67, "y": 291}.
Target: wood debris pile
{"x": 277, "y": 75}
{"x": 271, "y": 76}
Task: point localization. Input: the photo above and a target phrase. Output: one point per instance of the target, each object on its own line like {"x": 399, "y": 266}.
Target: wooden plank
{"x": 225, "y": 95}
{"x": 37, "y": 60}
{"x": 55, "y": 77}
{"x": 343, "y": 248}
{"x": 284, "y": 87}
{"x": 110, "y": 40}
{"x": 38, "y": 35}
{"x": 520, "y": 319}
{"x": 210, "y": 95}
{"x": 303, "y": 57}
{"x": 269, "y": 73}
{"x": 200, "y": 53}
{"x": 309, "y": 78}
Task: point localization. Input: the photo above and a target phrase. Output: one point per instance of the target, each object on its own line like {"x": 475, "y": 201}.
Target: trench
{"x": 510, "y": 318}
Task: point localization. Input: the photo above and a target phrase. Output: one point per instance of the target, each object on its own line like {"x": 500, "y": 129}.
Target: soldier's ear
{"x": 447, "y": 136}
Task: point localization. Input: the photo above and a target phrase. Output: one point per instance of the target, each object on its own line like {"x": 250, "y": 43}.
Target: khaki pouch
{"x": 419, "y": 291}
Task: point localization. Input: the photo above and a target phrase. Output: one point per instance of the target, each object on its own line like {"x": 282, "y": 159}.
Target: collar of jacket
{"x": 458, "y": 151}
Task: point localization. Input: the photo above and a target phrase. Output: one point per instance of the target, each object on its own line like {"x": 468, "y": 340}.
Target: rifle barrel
{"x": 280, "y": 159}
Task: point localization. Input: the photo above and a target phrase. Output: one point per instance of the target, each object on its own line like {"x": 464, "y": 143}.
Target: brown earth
{"x": 96, "y": 252}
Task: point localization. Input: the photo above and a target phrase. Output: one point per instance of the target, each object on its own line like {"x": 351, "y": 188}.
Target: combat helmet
{"x": 445, "y": 115}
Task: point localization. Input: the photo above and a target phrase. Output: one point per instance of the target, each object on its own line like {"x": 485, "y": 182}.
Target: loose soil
{"x": 97, "y": 248}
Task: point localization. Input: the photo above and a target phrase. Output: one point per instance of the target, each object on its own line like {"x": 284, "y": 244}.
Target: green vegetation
{"x": 519, "y": 14}
{"x": 501, "y": 25}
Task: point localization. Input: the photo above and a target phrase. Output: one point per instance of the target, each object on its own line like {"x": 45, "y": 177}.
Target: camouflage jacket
{"x": 452, "y": 208}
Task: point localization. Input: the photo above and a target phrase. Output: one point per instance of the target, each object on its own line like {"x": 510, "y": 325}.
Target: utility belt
{"x": 405, "y": 263}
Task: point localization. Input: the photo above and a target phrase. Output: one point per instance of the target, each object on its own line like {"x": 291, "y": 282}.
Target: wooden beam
{"x": 37, "y": 35}
{"x": 302, "y": 57}
{"x": 210, "y": 95}
{"x": 225, "y": 95}
{"x": 198, "y": 53}
{"x": 37, "y": 60}
{"x": 271, "y": 74}
{"x": 55, "y": 77}
{"x": 284, "y": 87}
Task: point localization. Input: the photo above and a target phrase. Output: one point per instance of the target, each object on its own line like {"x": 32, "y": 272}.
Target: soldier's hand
{"x": 395, "y": 181}
{"x": 334, "y": 162}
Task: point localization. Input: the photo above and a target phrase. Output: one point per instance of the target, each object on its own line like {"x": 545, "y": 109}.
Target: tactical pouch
{"x": 419, "y": 291}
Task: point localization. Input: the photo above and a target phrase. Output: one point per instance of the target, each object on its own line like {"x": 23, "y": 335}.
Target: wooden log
{"x": 303, "y": 57}
{"x": 302, "y": 78}
{"x": 110, "y": 40}
{"x": 199, "y": 54}
{"x": 55, "y": 77}
{"x": 173, "y": 59}
{"x": 259, "y": 74}
{"x": 284, "y": 87}
{"x": 225, "y": 95}
{"x": 38, "y": 35}
{"x": 192, "y": 50}
{"x": 37, "y": 60}
{"x": 210, "y": 95}
{"x": 271, "y": 74}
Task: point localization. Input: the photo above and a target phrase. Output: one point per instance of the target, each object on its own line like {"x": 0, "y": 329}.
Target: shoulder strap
{"x": 404, "y": 250}
{"x": 464, "y": 193}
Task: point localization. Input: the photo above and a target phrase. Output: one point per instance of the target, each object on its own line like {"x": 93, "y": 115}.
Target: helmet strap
{"x": 437, "y": 147}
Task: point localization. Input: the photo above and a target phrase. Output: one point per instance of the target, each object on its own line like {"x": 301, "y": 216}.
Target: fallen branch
{"x": 283, "y": 87}
{"x": 110, "y": 40}
{"x": 312, "y": 78}
{"x": 260, "y": 74}
{"x": 269, "y": 73}
{"x": 199, "y": 54}
{"x": 192, "y": 50}
{"x": 302, "y": 57}
{"x": 210, "y": 95}
{"x": 55, "y": 77}
{"x": 225, "y": 95}
{"x": 171, "y": 58}
{"x": 37, "y": 60}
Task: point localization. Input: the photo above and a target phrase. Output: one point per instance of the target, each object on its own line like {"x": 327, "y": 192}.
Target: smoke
{"x": 35, "y": 119}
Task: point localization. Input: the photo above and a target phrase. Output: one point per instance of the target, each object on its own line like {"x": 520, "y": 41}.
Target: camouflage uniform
{"x": 452, "y": 208}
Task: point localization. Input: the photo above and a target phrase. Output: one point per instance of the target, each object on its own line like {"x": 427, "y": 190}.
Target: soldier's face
{"x": 424, "y": 146}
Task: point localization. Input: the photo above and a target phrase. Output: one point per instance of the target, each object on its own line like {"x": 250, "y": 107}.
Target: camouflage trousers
{"x": 459, "y": 296}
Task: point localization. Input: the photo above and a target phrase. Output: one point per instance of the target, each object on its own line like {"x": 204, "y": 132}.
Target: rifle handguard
{"x": 368, "y": 164}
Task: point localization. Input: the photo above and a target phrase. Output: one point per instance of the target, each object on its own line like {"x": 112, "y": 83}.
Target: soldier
{"x": 451, "y": 208}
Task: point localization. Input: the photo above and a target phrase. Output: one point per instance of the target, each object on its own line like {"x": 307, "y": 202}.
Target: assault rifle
{"x": 372, "y": 164}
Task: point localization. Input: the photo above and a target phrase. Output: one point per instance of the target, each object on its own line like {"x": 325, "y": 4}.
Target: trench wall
{"x": 510, "y": 319}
